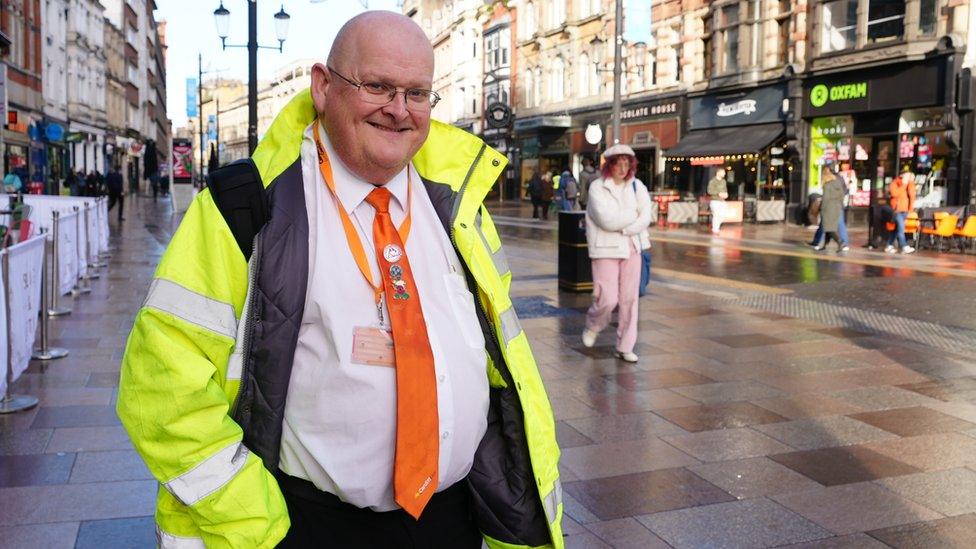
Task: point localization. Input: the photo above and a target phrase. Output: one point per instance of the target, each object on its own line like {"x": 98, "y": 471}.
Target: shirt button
{"x": 445, "y": 434}
{"x": 441, "y": 378}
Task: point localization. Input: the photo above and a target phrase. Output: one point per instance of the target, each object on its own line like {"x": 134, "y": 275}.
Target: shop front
{"x": 543, "y": 145}
{"x": 741, "y": 131}
{"x": 878, "y": 121}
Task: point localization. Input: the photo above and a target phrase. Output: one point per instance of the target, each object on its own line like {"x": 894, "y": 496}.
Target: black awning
{"x": 722, "y": 141}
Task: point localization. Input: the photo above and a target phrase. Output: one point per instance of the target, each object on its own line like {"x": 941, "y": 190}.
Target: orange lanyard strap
{"x": 355, "y": 244}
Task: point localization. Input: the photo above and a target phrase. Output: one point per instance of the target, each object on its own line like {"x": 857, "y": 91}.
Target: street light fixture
{"x": 222, "y": 20}
{"x": 598, "y": 45}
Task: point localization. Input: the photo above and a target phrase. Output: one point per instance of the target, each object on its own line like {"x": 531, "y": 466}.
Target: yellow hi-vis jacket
{"x": 206, "y": 367}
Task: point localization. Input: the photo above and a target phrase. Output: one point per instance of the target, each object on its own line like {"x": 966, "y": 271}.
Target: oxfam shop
{"x": 875, "y": 122}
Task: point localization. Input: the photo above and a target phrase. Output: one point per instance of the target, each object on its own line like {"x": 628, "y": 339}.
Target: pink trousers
{"x": 615, "y": 283}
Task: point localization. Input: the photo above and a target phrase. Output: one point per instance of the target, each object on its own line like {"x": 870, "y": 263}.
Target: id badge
{"x": 373, "y": 346}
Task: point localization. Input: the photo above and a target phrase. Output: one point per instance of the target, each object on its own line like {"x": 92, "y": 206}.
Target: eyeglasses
{"x": 381, "y": 93}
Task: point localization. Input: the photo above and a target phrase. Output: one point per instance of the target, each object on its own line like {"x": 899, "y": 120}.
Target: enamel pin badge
{"x": 392, "y": 253}
{"x": 399, "y": 285}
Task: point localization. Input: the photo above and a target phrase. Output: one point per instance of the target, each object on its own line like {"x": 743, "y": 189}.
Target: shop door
{"x": 646, "y": 166}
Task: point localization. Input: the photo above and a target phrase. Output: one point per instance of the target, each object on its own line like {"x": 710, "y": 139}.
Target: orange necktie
{"x": 415, "y": 466}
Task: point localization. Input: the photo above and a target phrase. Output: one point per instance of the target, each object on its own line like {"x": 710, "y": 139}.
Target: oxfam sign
{"x": 820, "y": 94}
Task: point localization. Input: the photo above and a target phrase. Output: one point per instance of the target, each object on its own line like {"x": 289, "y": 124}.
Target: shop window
{"x": 928, "y": 17}
{"x": 886, "y": 20}
{"x": 839, "y": 25}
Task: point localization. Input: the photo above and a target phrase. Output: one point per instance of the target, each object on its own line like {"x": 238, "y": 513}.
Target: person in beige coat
{"x": 617, "y": 216}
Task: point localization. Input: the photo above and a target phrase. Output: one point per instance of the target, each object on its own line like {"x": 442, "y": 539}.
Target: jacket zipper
{"x": 248, "y": 319}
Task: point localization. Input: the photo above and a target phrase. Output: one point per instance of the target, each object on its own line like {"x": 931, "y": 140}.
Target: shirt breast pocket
{"x": 462, "y": 303}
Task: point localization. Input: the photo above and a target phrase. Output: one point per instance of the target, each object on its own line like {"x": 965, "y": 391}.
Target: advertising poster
{"x": 182, "y": 160}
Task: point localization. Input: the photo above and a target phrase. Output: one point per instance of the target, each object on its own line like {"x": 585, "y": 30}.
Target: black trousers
{"x": 320, "y": 519}
{"x": 116, "y": 197}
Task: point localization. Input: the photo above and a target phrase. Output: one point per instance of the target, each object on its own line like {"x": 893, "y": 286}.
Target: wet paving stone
{"x": 963, "y": 388}
{"x": 117, "y": 533}
{"x": 35, "y": 469}
{"x": 645, "y": 493}
{"x": 733, "y": 525}
{"x": 747, "y": 340}
{"x": 914, "y": 421}
{"x": 76, "y": 416}
{"x": 753, "y": 477}
{"x": 951, "y": 492}
{"x": 844, "y": 465}
{"x": 930, "y": 452}
{"x": 709, "y": 417}
{"x": 626, "y": 533}
{"x": 810, "y": 405}
{"x": 948, "y": 532}
{"x": 659, "y": 379}
{"x": 726, "y": 444}
{"x": 823, "y": 432}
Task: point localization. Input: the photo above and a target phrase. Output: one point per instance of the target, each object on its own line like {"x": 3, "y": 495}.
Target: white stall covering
{"x": 67, "y": 252}
{"x": 41, "y": 207}
{"x": 682, "y": 212}
{"x": 4, "y": 336}
{"x": 26, "y": 269}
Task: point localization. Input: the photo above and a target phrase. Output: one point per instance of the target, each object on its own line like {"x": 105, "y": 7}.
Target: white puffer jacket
{"x": 616, "y": 215}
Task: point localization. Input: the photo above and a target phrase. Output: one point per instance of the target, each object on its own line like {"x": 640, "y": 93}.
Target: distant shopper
{"x": 535, "y": 194}
{"x": 879, "y": 215}
{"x": 718, "y": 191}
{"x": 587, "y": 176}
{"x": 617, "y": 216}
{"x": 570, "y": 190}
{"x": 116, "y": 190}
{"x": 832, "y": 209}
{"x": 902, "y": 193}
{"x": 547, "y": 194}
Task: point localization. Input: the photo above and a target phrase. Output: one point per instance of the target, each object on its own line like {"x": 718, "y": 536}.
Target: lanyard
{"x": 352, "y": 237}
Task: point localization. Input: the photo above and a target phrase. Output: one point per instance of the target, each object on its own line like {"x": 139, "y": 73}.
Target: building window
{"x": 529, "y": 20}
{"x": 728, "y": 33}
{"x": 557, "y": 80}
{"x": 529, "y": 88}
{"x": 584, "y": 75}
{"x": 557, "y": 13}
{"x": 783, "y": 32}
{"x": 886, "y": 20}
{"x": 839, "y": 25}
{"x": 707, "y": 58}
{"x": 928, "y": 16}
{"x": 537, "y": 91}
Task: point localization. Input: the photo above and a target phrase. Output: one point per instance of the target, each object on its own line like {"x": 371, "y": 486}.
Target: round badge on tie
{"x": 392, "y": 253}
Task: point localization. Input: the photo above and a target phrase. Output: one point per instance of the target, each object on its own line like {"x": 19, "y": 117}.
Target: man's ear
{"x": 321, "y": 79}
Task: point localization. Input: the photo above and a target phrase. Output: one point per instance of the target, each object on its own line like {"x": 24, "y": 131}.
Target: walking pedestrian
{"x": 618, "y": 214}
{"x": 718, "y": 191}
{"x": 335, "y": 392}
{"x": 535, "y": 195}
{"x": 902, "y": 193}
{"x": 832, "y": 208}
{"x": 587, "y": 175}
{"x": 547, "y": 195}
{"x": 570, "y": 190}
{"x": 116, "y": 190}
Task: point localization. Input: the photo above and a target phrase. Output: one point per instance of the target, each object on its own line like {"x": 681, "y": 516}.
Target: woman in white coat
{"x": 618, "y": 212}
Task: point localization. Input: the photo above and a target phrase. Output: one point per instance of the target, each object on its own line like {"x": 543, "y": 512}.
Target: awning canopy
{"x": 723, "y": 141}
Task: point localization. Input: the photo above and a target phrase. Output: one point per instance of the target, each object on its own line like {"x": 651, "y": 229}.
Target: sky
{"x": 191, "y": 30}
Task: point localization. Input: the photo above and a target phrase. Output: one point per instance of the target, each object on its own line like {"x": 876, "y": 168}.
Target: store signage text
{"x": 649, "y": 110}
{"x": 746, "y": 107}
{"x": 821, "y": 94}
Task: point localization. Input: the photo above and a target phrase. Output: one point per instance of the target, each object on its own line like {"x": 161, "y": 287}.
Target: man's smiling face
{"x": 377, "y": 141}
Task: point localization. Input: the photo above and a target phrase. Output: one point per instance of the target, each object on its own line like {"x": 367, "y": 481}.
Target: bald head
{"x": 374, "y": 27}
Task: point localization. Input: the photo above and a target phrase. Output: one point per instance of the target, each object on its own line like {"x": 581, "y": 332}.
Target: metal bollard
{"x": 92, "y": 264}
{"x": 54, "y": 287}
{"x": 12, "y": 403}
{"x": 45, "y": 352}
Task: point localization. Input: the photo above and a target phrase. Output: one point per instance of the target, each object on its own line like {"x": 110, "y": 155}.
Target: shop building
{"x": 875, "y": 122}
{"x": 744, "y": 132}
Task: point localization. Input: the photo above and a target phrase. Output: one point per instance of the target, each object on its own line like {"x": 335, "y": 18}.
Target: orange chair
{"x": 968, "y": 230}
{"x": 912, "y": 227}
{"x": 945, "y": 227}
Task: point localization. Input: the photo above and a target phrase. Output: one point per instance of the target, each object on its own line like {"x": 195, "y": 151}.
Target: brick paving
{"x": 738, "y": 427}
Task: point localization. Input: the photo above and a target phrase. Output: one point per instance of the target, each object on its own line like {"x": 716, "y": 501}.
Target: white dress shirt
{"x": 339, "y": 428}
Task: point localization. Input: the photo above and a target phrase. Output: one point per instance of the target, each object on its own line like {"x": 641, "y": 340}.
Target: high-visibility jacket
{"x": 206, "y": 368}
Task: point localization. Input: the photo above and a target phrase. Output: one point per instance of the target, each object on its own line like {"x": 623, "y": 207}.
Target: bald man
{"x": 361, "y": 379}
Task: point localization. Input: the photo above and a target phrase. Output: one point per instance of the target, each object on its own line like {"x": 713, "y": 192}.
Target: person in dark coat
{"x": 116, "y": 190}
{"x": 547, "y": 194}
{"x": 832, "y": 208}
{"x": 91, "y": 184}
{"x": 535, "y": 194}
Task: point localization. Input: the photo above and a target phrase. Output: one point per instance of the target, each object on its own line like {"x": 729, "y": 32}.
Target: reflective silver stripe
{"x": 511, "y": 327}
{"x": 183, "y": 303}
{"x": 497, "y": 257}
{"x": 209, "y": 475}
{"x": 165, "y": 540}
{"x": 551, "y": 502}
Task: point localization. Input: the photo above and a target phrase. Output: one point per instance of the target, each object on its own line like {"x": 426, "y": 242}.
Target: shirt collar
{"x": 350, "y": 188}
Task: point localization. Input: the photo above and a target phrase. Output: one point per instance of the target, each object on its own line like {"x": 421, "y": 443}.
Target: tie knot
{"x": 379, "y": 199}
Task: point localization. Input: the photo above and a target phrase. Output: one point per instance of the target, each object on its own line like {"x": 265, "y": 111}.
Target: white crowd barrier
{"x": 23, "y": 274}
